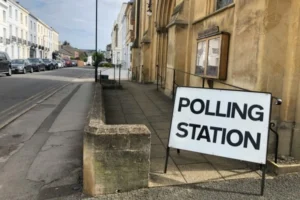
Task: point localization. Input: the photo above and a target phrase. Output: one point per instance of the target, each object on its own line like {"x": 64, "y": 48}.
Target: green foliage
{"x": 66, "y": 42}
{"x": 85, "y": 59}
{"x": 82, "y": 56}
{"x": 100, "y": 58}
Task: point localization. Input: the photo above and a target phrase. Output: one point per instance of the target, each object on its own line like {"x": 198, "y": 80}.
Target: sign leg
{"x": 167, "y": 159}
{"x": 263, "y": 180}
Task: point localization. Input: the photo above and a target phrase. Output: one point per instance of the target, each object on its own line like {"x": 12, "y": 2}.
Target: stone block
{"x": 116, "y": 159}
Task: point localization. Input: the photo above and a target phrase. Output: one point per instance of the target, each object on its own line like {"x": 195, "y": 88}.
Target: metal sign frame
{"x": 263, "y": 167}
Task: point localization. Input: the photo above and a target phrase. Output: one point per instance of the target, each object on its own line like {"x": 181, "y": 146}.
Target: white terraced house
{"x": 23, "y": 35}
{"x": 3, "y": 25}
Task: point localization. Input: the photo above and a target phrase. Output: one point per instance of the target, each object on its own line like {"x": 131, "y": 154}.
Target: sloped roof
{"x": 63, "y": 51}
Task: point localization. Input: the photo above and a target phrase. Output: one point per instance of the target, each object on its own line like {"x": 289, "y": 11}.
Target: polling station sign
{"x": 226, "y": 123}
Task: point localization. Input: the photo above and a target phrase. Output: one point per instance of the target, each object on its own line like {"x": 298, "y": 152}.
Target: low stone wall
{"x": 116, "y": 158}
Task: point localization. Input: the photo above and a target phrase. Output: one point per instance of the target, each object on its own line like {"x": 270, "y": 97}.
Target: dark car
{"x": 49, "y": 64}
{"x": 37, "y": 64}
{"x": 55, "y": 64}
{"x": 68, "y": 63}
{"x": 21, "y": 66}
{"x": 5, "y": 64}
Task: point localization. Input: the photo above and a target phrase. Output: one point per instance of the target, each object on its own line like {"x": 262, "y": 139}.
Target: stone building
{"x": 116, "y": 37}
{"x": 259, "y": 54}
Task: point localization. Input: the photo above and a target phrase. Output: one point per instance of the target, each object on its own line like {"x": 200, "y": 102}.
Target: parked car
{"x": 55, "y": 64}
{"x": 49, "y": 64}
{"x": 21, "y": 66}
{"x": 60, "y": 64}
{"x": 5, "y": 64}
{"x": 68, "y": 63}
{"x": 74, "y": 63}
{"x": 37, "y": 64}
{"x": 63, "y": 63}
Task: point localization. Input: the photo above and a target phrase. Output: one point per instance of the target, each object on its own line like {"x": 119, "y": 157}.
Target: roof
{"x": 70, "y": 49}
{"x": 62, "y": 51}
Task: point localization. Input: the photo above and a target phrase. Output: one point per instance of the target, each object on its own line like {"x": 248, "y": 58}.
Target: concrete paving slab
{"x": 195, "y": 173}
{"x": 225, "y": 163}
{"x": 238, "y": 174}
{"x": 150, "y": 113}
{"x": 155, "y": 139}
{"x": 73, "y": 116}
{"x": 157, "y": 151}
{"x": 134, "y": 110}
{"x": 157, "y": 176}
{"x": 161, "y": 125}
{"x": 158, "y": 118}
{"x": 187, "y": 157}
{"x": 165, "y": 142}
{"x": 163, "y": 133}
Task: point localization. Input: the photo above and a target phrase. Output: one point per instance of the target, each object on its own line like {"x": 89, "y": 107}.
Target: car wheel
{"x": 24, "y": 71}
{"x": 9, "y": 72}
{"x": 38, "y": 69}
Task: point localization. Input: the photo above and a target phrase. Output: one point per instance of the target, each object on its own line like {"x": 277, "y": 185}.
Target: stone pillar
{"x": 290, "y": 81}
{"x": 296, "y": 132}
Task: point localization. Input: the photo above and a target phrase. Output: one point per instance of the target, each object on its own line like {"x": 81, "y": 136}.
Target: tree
{"x": 100, "y": 58}
{"x": 66, "y": 42}
{"x": 82, "y": 56}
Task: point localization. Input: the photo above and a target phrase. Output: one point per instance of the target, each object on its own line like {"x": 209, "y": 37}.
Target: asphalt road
{"x": 20, "y": 87}
{"x": 42, "y": 117}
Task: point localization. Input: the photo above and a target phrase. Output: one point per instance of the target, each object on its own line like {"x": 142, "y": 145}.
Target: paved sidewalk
{"x": 142, "y": 104}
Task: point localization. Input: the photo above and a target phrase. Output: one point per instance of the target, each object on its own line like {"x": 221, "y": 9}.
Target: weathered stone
{"x": 116, "y": 158}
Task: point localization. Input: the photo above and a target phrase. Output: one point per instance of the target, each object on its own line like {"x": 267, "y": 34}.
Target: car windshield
{"x": 34, "y": 60}
{"x": 46, "y": 61}
{"x": 18, "y": 61}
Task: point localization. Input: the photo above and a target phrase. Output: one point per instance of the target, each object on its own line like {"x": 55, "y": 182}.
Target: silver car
{"x": 21, "y": 66}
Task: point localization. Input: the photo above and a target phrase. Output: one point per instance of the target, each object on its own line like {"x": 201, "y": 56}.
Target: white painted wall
{"x": 117, "y": 50}
{"x": 3, "y": 24}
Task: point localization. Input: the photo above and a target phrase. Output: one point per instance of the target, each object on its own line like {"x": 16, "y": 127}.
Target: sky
{"x": 75, "y": 19}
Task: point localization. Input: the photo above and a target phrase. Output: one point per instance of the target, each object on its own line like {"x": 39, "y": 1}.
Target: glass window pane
{"x": 223, "y": 3}
{"x": 213, "y": 57}
{"x": 201, "y": 54}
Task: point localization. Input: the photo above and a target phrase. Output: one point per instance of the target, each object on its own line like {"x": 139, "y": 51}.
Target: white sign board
{"x": 231, "y": 124}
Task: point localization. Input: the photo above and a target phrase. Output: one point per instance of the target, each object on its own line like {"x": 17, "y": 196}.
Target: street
{"x": 42, "y": 118}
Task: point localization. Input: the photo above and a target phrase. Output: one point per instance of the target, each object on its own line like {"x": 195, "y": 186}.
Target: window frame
{"x": 10, "y": 12}
{"x": 4, "y": 15}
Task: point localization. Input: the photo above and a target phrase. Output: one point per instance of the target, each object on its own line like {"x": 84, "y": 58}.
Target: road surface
{"x": 42, "y": 117}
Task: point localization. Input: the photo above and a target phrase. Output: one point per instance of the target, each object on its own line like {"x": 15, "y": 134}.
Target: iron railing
{"x": 210, "y": 83}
